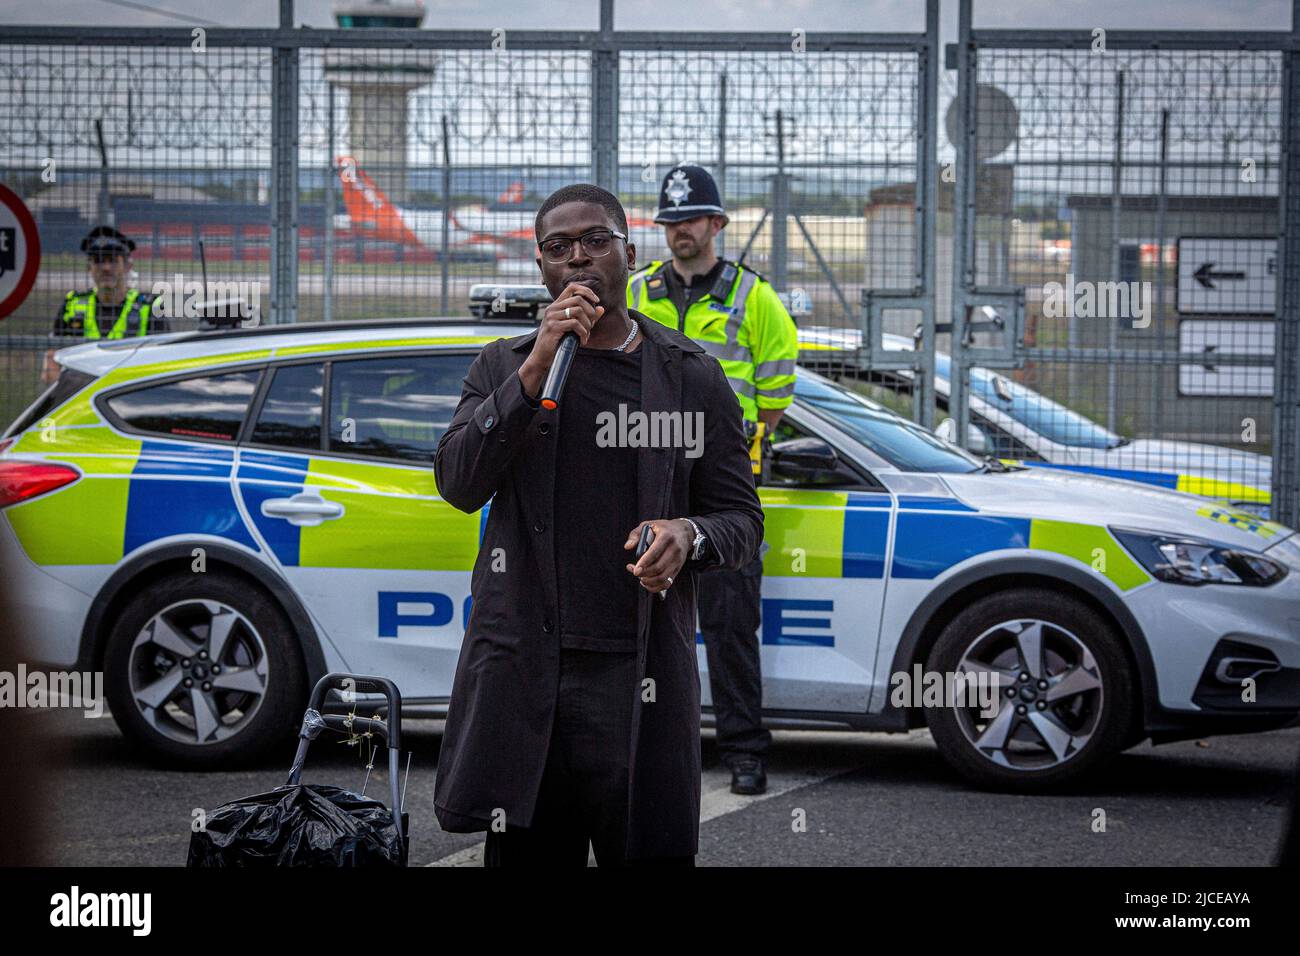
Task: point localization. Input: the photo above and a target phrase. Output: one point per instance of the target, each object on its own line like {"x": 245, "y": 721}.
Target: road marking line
{"x": 716, "y": 800}
{"x": 470, "y": 856}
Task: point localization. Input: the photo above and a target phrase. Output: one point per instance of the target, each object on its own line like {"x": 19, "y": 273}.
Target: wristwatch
{"x": 698, "y": 545}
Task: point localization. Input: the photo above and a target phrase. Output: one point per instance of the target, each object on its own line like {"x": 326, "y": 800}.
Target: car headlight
{"x": 1181, "y": 560}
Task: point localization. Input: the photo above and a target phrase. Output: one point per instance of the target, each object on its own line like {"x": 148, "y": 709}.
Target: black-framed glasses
{"x": 596, "y": 243}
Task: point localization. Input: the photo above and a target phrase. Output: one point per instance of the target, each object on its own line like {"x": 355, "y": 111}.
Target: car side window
{"x": 291, "y": 412}
{"x": 841, "y": 476}
{"x": 1001, "y": 444}
{"x": 210, "y": 406}
{"x": 394, "y": 406}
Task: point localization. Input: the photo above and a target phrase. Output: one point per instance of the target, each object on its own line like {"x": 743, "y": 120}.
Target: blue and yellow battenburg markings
{"x": 1241, "y": 520}
{"x": 393, "y": 519}
{"x": 132, "y": 493}
{"x": 825, "y": 534}
{"x": 188, "y": 492}
{"x": 1190, "y": 484}
{"x": 845, "y": 535}
{"x": 263, "y": 476}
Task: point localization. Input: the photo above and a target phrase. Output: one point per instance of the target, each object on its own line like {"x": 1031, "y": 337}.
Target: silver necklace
{"x": 630, "y": 336}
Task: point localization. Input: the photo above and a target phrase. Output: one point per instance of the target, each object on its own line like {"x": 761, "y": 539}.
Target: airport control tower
{"x": 379, "y": 83}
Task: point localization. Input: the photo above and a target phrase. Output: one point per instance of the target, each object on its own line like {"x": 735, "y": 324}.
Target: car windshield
{"x": 1036, "y": 412}
{"x": 906, "y": 446}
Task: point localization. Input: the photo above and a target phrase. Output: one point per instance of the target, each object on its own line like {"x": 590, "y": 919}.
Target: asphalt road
{"x": 833, "y": 799}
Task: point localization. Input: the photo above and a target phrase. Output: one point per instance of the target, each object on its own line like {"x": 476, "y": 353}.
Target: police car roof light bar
{"x": 490, "y": 302}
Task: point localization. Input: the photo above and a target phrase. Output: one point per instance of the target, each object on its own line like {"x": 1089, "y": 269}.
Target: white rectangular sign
{"x": 1236, "y": 337}
{"x": 1227, "y": 276}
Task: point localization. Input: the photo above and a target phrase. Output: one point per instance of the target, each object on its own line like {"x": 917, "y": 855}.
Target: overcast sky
{"x": 771, "y": 15}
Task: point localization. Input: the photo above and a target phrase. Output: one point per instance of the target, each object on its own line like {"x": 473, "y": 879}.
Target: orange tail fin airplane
{"x": 507, "y": 232}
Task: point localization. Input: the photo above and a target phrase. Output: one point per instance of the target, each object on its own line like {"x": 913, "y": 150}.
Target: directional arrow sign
{"x": 1227, "y": 276}
{"x": 1206, "y": 275}
{"x": 1205, "y": 337}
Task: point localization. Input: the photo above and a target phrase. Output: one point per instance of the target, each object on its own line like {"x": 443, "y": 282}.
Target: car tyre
{"x": 1074, "y": 710}
{"x": 204, "y": 657}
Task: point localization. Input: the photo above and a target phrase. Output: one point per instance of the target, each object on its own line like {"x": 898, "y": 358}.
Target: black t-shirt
{"x": 595, "y": 502}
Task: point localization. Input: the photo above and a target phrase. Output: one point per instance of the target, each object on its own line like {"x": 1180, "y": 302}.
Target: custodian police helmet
{"x": 688, "y": 191}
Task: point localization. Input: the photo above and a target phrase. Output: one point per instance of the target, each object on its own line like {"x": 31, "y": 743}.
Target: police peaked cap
{"x": 106, "y": 239}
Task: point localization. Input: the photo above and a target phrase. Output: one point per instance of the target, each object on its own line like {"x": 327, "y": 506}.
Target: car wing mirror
{"x": 803, "y": 458}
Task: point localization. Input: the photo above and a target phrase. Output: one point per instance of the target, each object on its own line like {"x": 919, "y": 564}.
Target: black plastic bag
{"x": 300, "y": 825}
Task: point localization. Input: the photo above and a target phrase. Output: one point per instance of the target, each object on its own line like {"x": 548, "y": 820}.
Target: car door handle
{"x": 302, "y": 509}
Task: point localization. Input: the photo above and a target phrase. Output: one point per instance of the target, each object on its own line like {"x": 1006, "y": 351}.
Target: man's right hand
{"x": 584, "y": 309}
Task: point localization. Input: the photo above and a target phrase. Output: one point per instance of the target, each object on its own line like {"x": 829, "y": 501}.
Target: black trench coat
{"x": 503, "y": 700}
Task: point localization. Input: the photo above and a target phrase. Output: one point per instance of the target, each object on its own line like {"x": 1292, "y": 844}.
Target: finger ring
{"x": 566, "y": 311}
{"x": 670, "y": 580}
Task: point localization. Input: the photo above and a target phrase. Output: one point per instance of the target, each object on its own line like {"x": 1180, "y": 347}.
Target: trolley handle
{"x": 362, "y": 684}
{"x": 389, "y": 730}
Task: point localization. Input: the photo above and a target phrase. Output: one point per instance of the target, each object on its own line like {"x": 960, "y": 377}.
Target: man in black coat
{"x": 574, "y": 715}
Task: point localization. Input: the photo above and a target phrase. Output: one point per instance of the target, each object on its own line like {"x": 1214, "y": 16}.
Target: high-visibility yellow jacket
{"x": 80, "y": 318}
{"x": 748, "y": 330}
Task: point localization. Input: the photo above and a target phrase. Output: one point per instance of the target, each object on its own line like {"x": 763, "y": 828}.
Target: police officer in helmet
{"x": 112, "y": 308}
{"x": 736, "y": 315}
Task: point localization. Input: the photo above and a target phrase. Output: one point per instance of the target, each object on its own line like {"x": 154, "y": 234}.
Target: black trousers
{"x": 583, "y": 797}
{"x": 729, "y": 610}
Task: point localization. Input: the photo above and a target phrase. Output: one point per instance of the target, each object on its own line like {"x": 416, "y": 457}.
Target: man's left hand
{"x": 663, "y": 560}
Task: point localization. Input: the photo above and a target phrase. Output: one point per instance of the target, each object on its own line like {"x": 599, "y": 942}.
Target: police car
{"x": 214, "y": 519}
{"x": 1024, "y": 427}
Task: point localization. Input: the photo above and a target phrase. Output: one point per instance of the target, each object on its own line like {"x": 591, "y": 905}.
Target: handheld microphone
{"x": 559, "y": 372}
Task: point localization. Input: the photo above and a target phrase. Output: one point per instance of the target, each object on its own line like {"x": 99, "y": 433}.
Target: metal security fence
{"x": 170, "y": 143}
{"x": 424, "y": 169}
{"x": 799, "y": 140}
{"x": 382, "y": 172}
{"x": 1123, "y": 222}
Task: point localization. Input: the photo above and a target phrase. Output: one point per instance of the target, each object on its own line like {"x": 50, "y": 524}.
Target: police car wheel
{"x": 1064, "y": 691}
{"x": 202, "y": 670}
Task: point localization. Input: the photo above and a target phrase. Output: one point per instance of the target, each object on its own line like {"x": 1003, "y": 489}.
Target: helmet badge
{"x": 678, "y": 188}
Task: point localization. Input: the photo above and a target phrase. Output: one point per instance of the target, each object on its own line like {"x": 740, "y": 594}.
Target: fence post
{"x": 444, "y": 251}
{"x": 1286, "y": 374}
{"x": 1116, "y": 214}
{"x": 327, "y": 265}
{"x": 284, "y": 176}
{"x": 926, "y": 213}
{"x": 604, "y": 105}
{"x": 963, "y": 222}
{"x": 721, "y": 169}
{"x": 777, "y": 261}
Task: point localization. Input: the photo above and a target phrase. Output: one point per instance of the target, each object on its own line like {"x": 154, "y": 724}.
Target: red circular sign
{"x": 20, "y": 251}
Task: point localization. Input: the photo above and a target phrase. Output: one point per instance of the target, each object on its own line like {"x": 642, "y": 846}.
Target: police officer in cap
{"x": 112, "y": 308}
{"x": 735, "y": 314}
